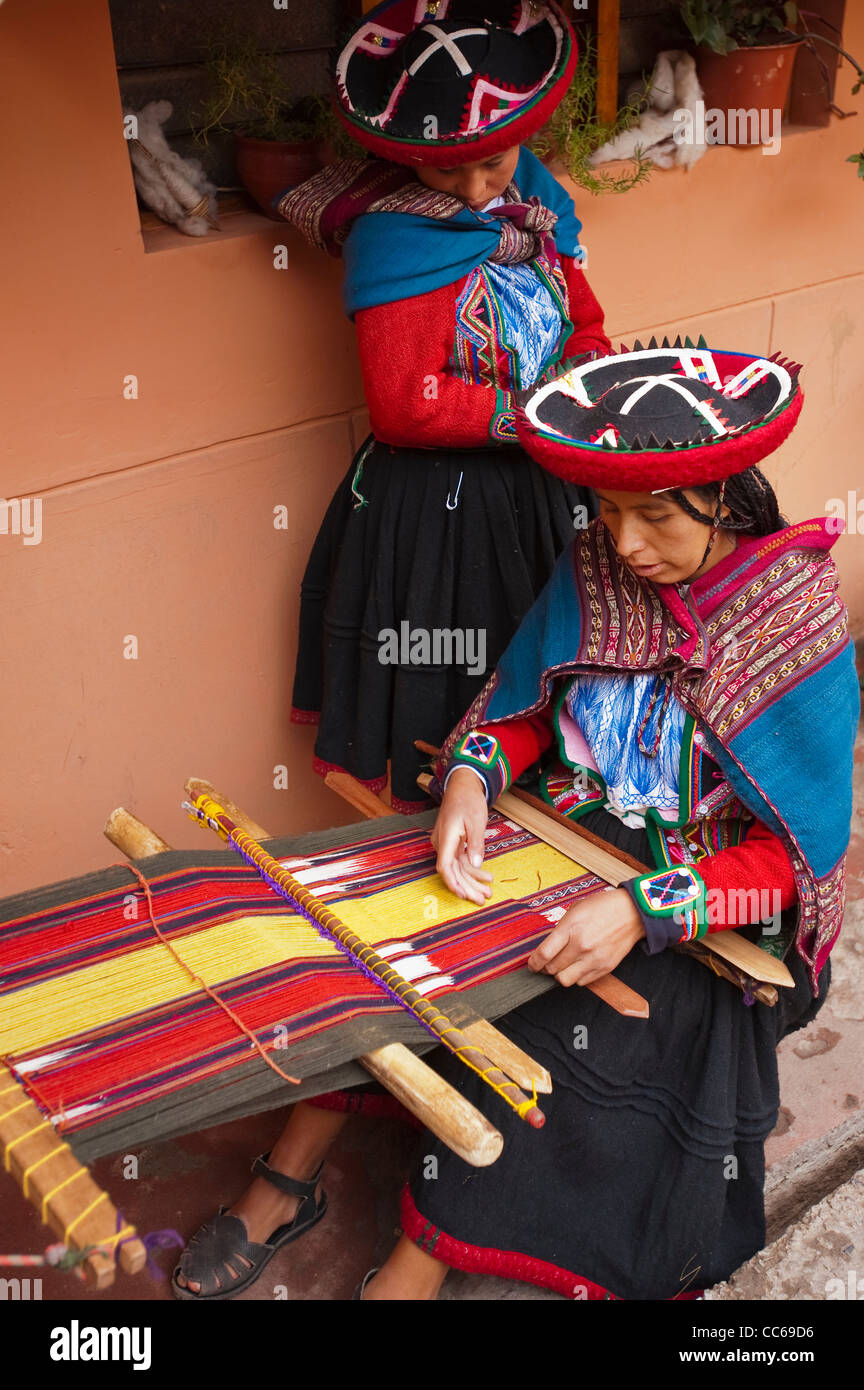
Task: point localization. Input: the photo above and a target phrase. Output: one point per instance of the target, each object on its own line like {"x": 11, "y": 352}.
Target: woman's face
{"x": 478, "y": 183}
{"x": 657, "y": 539}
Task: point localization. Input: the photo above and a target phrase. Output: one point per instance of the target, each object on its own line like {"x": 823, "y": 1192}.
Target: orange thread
{"x": 206, "y": 988}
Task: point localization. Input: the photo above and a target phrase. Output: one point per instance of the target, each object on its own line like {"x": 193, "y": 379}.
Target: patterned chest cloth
{"x": 509, "y": 322}
{"x": 757, "y": 653}
{"x": 607, "y": 721}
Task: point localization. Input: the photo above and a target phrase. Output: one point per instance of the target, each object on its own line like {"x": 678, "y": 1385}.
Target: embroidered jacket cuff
{"x": 503, "y": 423}
{"x": 671, "y": 903}
{"x": 485, "y": 756}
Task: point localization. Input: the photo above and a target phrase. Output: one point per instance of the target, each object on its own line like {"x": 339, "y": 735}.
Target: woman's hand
{"x": 458, "y": 837}
{"x": 590, "y": 940}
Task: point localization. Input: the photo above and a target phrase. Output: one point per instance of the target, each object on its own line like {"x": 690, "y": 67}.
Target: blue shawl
{"x": 397, "y": 255}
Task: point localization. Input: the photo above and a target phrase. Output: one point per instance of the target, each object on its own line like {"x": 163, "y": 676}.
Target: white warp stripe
{"x": 415, "y": 967}
{"x": 393, "y": 948}
{"x": 438, "y": 984}
{"x": 74, "y": 1112}
{"x": 45, "y": 1060}
{"x": 325, "y": 875}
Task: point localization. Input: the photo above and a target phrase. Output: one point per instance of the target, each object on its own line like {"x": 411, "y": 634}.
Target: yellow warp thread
{"x": 110, "y": 1241}
{"x": 96, "y": 995}
{"x": 59, "y": 1188}
{"x": 25, "y": 1176}
{"x": 20, "y": 1140}
{"x": 528, "y": 1104}
{"x": 103, "y": 1197}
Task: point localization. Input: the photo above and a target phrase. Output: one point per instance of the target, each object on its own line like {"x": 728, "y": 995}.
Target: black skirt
{"x": 419, "y": 541}
{"x": 646, "y": 1181}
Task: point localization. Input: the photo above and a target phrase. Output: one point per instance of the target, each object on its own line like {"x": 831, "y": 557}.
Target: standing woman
{"x": 463, "y": 277}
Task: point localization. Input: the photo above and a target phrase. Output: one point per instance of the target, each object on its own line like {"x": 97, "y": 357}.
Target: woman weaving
{"x": 690, "y": 666}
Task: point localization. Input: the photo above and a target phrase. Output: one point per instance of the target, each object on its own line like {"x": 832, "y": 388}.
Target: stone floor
{"x": 182, "y": 1183}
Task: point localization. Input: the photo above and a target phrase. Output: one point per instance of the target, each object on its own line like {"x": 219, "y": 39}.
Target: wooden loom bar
{"x": 440, "y": 1107}
{"x": 484, "y": 1035}
{"x": 735, "y": 949}
{"x": 48, "y": 1172}
{"x": 123, "y": 828}
{"x": 205, "y": 808}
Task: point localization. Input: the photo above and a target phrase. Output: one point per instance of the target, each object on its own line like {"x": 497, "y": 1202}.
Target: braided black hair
{"x": 752, "y": 503}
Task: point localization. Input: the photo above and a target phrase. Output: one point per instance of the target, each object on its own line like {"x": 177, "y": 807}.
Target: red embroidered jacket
{"x": 759, "y": 864}
{"x": 405, "y": 353}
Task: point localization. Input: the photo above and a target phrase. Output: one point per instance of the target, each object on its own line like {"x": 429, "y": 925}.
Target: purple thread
{"x": 168, "y": 1239}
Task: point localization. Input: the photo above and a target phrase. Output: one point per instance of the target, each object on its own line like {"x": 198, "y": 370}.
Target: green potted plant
{"x": 278, "y": 142}
{"x": 745, "y": 51}
{"x": 574, "y": 133}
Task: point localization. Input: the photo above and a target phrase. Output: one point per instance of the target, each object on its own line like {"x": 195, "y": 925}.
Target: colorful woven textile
{"x": 116, "y": 1043}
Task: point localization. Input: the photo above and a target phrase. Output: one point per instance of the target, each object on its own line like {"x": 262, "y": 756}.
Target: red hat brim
{"x": 656, "y": 469}
{"x": 640, "y": 420}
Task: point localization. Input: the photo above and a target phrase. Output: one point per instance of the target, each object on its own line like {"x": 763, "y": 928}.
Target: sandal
{"x": 357, "y": 1295}
{"x": 224, "y": 1242}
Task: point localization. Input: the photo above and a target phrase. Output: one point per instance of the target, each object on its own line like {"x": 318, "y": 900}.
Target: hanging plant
{"x": 574, "y": 133}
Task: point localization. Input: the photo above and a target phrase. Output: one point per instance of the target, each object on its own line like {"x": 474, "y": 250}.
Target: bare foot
{"x": 408, "y": 1274}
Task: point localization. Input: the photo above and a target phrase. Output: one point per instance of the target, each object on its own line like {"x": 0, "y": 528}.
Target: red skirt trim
{"x": 503, "y": 1264}
{"x": 372, "y": 1106}
{"x": 305, "y": 716}
{"x": 410, "y": 808}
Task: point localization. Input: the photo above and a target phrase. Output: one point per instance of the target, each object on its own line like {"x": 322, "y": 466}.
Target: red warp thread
{"x": 207, "y": 990}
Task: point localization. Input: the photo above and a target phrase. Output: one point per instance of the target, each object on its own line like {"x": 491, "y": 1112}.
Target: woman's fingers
{"x": 476, "y": 883}
{"x": 460, "y": 877}
{"x": 550, "y": 947}
{"x": 458, "y": 837}
{"x": 591, "y": 939}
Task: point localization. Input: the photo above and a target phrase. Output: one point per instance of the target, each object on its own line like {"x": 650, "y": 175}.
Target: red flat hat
{"x": 449, "y": 82}
{"x": 669, "y": 415}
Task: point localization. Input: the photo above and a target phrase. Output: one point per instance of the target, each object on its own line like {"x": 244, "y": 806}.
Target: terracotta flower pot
{"x": 747, "y": 78}
{"x": 267, "y": 167}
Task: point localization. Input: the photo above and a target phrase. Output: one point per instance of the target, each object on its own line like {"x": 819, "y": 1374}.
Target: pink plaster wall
{"x": 158, "y": 512}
